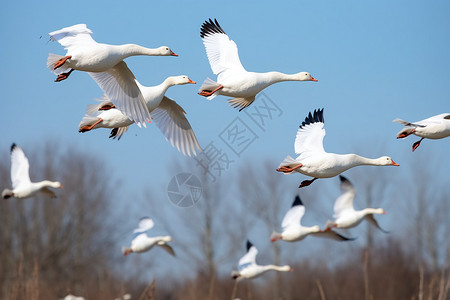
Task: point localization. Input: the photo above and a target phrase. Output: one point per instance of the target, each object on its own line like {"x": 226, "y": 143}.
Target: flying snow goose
{"x": 344, "y": 213}
{"x": 141, "y": 242}
{"x": 249, "y": 269}
{"x": 232, "y": 79}
{"x": 167, "y": 114}
{"x": 104, "y": 63}
{"x": 293, "y": 230}
{"x": 22, "y": 187}
{"x": 436, "y": 127}
{"x": 314, "y": 161}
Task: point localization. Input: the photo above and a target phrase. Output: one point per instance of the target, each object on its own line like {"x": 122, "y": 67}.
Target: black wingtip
{"x": 342, "y": 178}
{"x": 210, "y": 27}
{"x": 249, "y": 245}
{"x": 315, "y": 117}
{"x": 346, "y": 239}
{"x": 297, "y": 201}
{"x": 13, "y": 146}
{"x": 114, "y": 133}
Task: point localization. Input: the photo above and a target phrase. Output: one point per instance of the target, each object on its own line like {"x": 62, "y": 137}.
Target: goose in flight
{"x": 167, "y": 114}
{"x": 22, "y": 187}
{"x": 247, "y": 267}
{"x": 232, "y": 79}
{"x": 294, "y": 231}
{"x": 104, "y": 63}
{"x": 314, "y": 161}
{"x": 436, "y": 127}
{"x": 141, "y": 242}
{"x": 345, "y": 214}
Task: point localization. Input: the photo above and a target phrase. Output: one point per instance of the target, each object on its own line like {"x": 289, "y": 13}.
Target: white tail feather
{"x": 209, "y": 85}
{"x": 88, "y": 120}
{"x": 51, "y": 60}
{"x": 288, "y": 162}
{"x": 275, "y": 236}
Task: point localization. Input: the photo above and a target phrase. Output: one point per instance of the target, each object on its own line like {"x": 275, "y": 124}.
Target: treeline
{"x": 71, "y": 244}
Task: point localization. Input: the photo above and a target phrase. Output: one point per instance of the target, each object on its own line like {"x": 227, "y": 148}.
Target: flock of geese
{"x": 126, "y": 101}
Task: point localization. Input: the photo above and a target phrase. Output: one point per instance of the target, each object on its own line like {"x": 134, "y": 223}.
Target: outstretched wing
{"x": 249, "y": 258}
{"x": 294, "y": 215}
{"x": 116, "y": 133}
{"x": 310, "y": 135}
{"x": 374, "y": 222}
{"x": 221, "y": 51}
{"x": 330, "y": 234}
{"x": 119, "y": 84}
{"x": 408, "y": 124}
{"x": 19, "y": 167}
{"x": 145, "y": 223}
{"x": 171, "y": 120}
{"x": 168, "y": 248}
{"x": 72, "y": 36}
{"x": 345, "y": 200}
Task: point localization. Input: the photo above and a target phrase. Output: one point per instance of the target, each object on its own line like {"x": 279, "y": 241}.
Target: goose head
{"x": 55, "y": 184}
{"x": 165, "y": 51}
{"x": 166, "y": 238}
{"x": 379, "y": 211}
{"x": 180, "y": 80}
{"x": 305, "y": 76}
{"x": 386, "y": 161}
{"x": 315, "y": 228}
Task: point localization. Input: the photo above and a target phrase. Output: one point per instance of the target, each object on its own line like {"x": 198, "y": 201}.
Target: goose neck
{"x": 133, "y": 49}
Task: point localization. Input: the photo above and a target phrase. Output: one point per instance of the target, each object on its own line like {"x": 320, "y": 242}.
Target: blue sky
{"x": 374, "y": 62}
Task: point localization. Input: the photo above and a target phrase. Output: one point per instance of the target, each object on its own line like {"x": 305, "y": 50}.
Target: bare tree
{"x": 207, "y": 232}
{"x": 63, "y": 241}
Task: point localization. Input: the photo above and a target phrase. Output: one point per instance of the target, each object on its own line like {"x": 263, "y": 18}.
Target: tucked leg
{"x": 89, "y": 127}
{"x": 416, "y": 144}
{"x": 107, "y": 107}
{"x": 306, "y": 183}
{"x": 209, "y": 93}
{"x": 286, "y": 169}
{"x": 63, "y": 76}
{"x": 60, "y": 62}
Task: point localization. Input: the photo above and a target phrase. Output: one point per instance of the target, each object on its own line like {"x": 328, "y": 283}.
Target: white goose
{"x": 344, "y": 213}
{"x": 22, "y": 187}
{"x": 167, "y": 114}
{"x": 141, "y": 242}
{"x": 105, "y": 65}
{"x": 293, "y": 230}
{"x": 314, "y": 161}
{"x": 249, "y": 269}
{"x": 232, "y": 79}
{"x": 436, "y": 127}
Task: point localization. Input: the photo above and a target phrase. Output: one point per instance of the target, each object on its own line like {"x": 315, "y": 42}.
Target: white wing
{"x": 118, "y": 132}
{"x": 72, "y": 36}
{"x": 345, "y": 200}
{"x": 221, "y": 51}
{"x": 249, "y": 258}
{"x": 19, "y": 167}
{"x": 431, "y": 120}
{"x": 119, "y": 84}
{"x": 310, "y": 135}
{"x": 171, "y": 120}
{"x": 294, "y": 215}
{"x": 145, "y": 224}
